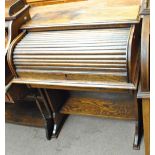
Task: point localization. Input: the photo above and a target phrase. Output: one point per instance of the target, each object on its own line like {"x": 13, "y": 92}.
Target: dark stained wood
{"x": 54, "y": 99}
{"x": 6, "y": 38}
{"x": 17, "y": 6}
{"x": 145, "y": 54}
{"x": 8, "y": 74}
{"x": 83, "y": 26}
{"x": 17, "y": 92}
{"x": 9, "y": 54}
{"x": 133, "y": 54}
{"x": 23, "y": 113}
{"x": 138, "y": 123}
{"x": 52, "y": 105}
{"x": 8, "y": 4}
{"x": 14, "y": 9}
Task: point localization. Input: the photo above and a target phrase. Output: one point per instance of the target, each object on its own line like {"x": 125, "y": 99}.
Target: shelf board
{"x": 113, "y": 105}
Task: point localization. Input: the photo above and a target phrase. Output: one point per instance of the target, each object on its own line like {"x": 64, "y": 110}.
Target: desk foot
{"x": 137, "y": 137}
{"x": 138, "y": 126}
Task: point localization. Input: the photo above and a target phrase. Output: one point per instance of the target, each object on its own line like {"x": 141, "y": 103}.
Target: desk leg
{"x": 146, "y": 124}
{"x": 138, "y": 125}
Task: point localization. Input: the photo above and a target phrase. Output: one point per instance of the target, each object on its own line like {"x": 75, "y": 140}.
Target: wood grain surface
{"x": 84, "y": 12}
{"x": 79, "y": 55}
{"x": 48, "y": 2}
{"x": 146, "y": 124}
{"x": 145, "y": 55}
{"x": 109, "y": 105}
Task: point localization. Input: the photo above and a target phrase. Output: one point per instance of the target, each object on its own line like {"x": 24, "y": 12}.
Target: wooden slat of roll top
{"x": 28, "y": 61}
{"x": 92, "y": 44}
{"x": 65, "y": 37}
{"x": 74, "y": 68}
{"x": 64, "y": 34}
{"x": 71, "y": 40}
{"x": 72, "y": 49}
{"x": 91, "y": 34}
{"x": 95, "y": 55}
{"x": 57, "y": 44}
{"x": 99, "y": 66}
{"x": 79, "y": 57}
{"x": 92, "y": 52}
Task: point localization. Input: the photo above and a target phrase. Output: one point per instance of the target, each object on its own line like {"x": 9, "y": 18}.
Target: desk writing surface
{"x": 84, "y": 12}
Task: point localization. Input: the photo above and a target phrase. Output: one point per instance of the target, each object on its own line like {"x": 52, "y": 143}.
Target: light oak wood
{"x": 48, "y": 2}
{"x": 98, "y": 57}
{"x": 95, "y": 49}
{"x": 68, "y": 48}
{"x": 83, "y": 13}
{"x": 108, "y": 105}
{"x": 146, "y": 124}
{"x": 57, "y": 84}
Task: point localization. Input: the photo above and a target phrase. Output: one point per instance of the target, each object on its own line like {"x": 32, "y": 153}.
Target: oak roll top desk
{"x": 80, "y": 58}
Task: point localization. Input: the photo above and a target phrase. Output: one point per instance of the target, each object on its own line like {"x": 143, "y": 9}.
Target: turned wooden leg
{"x": 146, "y": 124}
{"x": 138, "y": 125}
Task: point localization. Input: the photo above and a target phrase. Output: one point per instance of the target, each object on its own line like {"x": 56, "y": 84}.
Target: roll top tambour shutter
{"x": 81, "y": 55}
